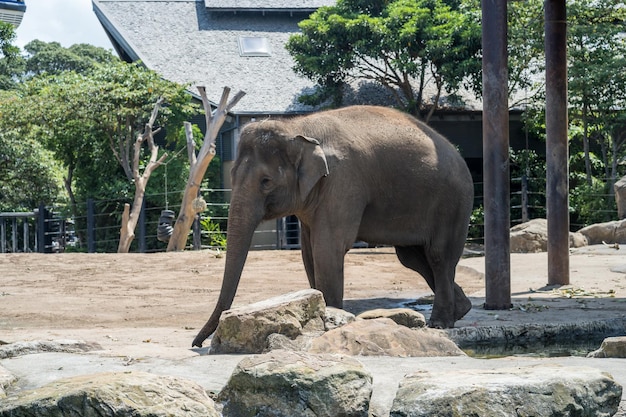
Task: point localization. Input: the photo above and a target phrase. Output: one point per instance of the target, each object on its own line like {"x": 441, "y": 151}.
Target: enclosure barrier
{"x": 41, "y": 231}
{"x": 94, "y": 226}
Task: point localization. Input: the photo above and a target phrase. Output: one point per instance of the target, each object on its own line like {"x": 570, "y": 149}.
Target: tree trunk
{"x": 131, "y": 217}
{"x": 199, "y": 164}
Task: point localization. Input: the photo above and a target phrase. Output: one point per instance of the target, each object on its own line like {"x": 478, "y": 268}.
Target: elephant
{"x": 359, "y": 173}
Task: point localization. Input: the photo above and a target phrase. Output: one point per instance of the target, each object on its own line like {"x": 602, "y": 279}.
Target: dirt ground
{"x": 166, "y": 297}
{"x": 105, "y": 292}
{"x": 145, "y": 309}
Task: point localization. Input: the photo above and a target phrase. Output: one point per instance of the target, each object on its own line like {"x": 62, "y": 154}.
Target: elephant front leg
{"x": 328, "y": 260}
{"x": 329, "y": 279}
{"x": 307, "y": 253}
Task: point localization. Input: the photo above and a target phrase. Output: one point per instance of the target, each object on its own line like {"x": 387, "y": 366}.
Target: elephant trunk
{"x": 241, "y": 226}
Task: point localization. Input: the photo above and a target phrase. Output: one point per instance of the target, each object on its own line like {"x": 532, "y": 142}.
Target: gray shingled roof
{"x": 267, "y": 4}
{"x": 186, "y": 43}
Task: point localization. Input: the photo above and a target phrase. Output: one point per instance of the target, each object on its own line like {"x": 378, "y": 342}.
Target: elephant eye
{"x": 266, "y": 183}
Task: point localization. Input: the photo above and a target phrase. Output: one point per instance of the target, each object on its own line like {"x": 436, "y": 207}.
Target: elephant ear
{"x": 310, "y": 162}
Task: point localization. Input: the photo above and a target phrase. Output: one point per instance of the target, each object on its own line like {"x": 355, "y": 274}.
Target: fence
{"x": 35, "y": 231}
{"x": 95, "y": 226}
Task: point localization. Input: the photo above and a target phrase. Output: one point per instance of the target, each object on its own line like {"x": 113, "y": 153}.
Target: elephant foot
{"x": 462, "y": 304}
{"x": 461, "y": 308}
{"x": 440, "y": 324}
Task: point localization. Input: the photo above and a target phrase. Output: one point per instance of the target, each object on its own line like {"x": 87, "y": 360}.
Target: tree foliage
{"x": 526, "y": 59}
{"x": 29, "y": 173}
{"x": 90, "y": 120}
{"x": 11, "y": 62}
{"x": 597, "y": 81}
{"x": 87, "y": 108}
{"x": 403, "y": 45}
{"x": 52, "y": 58}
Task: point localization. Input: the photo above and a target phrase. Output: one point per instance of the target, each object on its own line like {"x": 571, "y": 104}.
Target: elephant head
{"x": 273, "y": 176}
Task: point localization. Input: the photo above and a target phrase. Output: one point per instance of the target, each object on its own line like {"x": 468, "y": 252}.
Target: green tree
{"x": 597, "y": 82}
{"x": 92, "y": 119}
{"x": 29, "y": 174}
{"x": 52, "y": 58}
{"x": 11, "y": 62}
{"x": 89, "y": 108}
{"x": 525, "y": 52}
{"x": 410, "y": 47}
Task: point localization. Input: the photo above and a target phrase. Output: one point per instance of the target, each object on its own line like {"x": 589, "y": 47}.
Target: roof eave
{"x": 262, "y": 9}
{"x": 116, "y": 37}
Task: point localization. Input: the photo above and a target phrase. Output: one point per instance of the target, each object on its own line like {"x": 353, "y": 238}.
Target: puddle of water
{"x": 536, "y": 350}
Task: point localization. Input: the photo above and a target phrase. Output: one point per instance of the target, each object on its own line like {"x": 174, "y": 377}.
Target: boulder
{"x": 6, "y": 379}
{"x": 383, "y": 337}
{"x": 11, "y": 350}
{"x": 608, "y": 232}
{"x": 542, "y": 390}
{"x": 402, "y": 316}
{"x": 287, "y": 384}
{"x": 336, "y": 317}
{"x": 246, "y": 329}
{"x": 612, "y": 347}
{"x": 119, "y": 394}
{"x": 620, "y": 197}
{"x": 532, "y": 236}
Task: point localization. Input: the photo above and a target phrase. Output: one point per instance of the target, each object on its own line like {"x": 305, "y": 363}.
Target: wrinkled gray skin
{"x": 359, "y": 173}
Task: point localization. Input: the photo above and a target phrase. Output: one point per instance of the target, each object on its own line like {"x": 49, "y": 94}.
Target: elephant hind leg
{"x": 415, "y": 258}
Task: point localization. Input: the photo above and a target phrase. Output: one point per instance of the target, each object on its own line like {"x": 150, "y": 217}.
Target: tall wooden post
{"x": 496, "y": 156}
{"x": 557, "y": 186}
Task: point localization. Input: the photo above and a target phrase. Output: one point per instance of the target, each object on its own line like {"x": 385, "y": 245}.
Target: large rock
{"x": 11, "y": 350}
{"x": 336, "y": 317}
{"x": 383, "y": 337}
{"x": 121, "y": 394}
{"x": 6, "y": 379}
{"x": 609, "y": 232}
{"x": 287, "y": 384}
{"x": 542, "y": 390}
{"x": 620, "y": 197}
{"x": 532, "y": 236}
{"x": 402, "y": 316}
{"x": 246, "y": 329}
{"x": 612, "y": 347}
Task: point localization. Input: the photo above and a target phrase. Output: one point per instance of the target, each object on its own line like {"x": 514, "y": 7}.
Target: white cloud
{"x": 65, "y": 21}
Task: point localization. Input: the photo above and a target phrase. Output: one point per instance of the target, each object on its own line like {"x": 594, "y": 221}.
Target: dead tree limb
{"x": 130, "y": 217}
{"x": 199, "y": 164}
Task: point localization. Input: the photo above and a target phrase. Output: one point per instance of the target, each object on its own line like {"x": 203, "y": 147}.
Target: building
{"x": 12, "y": 11}
{"x": 240, "y": 44}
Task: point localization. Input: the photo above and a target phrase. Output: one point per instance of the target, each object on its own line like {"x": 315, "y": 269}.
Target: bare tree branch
{"x": 199, "y": 164}
{"x": 130, "y": 217}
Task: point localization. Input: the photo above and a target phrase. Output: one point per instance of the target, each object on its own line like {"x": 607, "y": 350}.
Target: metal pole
{"x": 26, "y": 235}
{"x": 3, "y": 231}
{"x": 496, "y": 156}
{"x": 14, "y": 235}
{"x": 41, "y": 229}
{"x": 557, "y": 185}
{"x": 91, "y": 226}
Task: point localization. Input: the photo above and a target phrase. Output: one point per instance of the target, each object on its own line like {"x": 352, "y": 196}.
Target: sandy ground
{"x": 145, "y": 309}
{"x": 101, "y": 295}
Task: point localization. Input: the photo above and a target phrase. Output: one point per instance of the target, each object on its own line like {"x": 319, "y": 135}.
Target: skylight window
{"x": 254, "y": 46}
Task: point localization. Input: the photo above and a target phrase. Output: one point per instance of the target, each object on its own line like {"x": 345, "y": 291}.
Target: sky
{"x": 65, "y": 21}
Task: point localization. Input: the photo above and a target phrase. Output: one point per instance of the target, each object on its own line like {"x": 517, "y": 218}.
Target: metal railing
{"x": 96, "y": 227}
